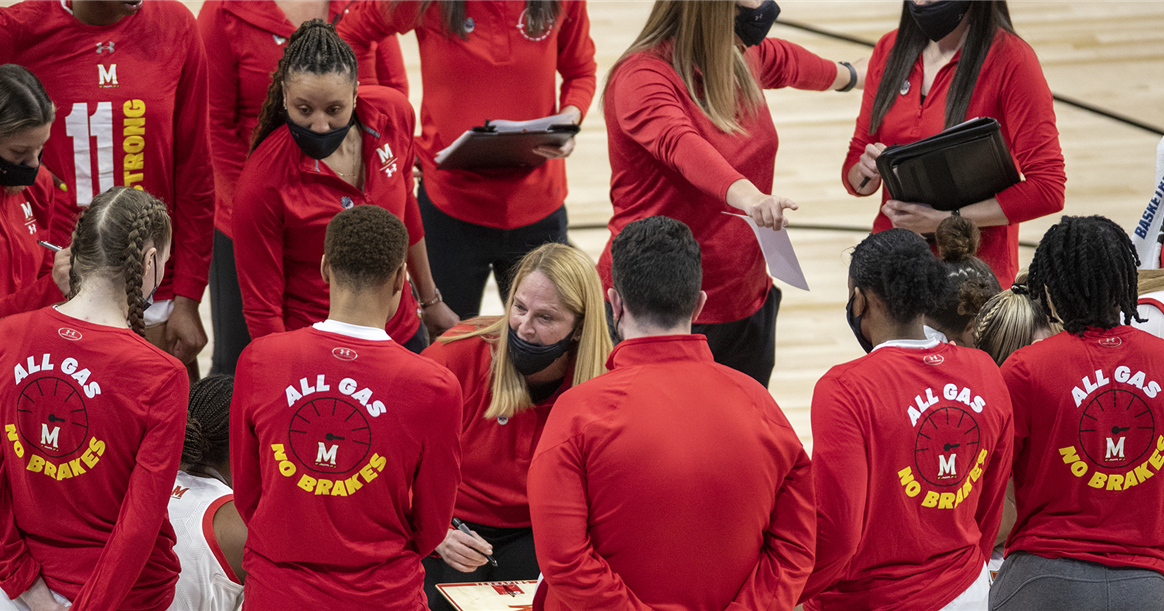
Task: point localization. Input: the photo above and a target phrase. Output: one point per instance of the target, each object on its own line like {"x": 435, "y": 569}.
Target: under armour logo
{"x": 278, "y": 39}
{"x": 346, "y": 202}
{"x": 102, "y": 48}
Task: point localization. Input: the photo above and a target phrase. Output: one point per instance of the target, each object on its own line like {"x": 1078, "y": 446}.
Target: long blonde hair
{"x": 1010, "y": 320}
{"x": 576, "y": 281}
{"x": 704, "y": 55}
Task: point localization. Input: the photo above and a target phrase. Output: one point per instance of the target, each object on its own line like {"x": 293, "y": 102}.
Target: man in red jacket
{"x": 672, "y": 481}
{"x": 345, "y": 451}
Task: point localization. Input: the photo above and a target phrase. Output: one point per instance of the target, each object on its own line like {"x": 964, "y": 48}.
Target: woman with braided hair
{"x": 211, "y": 535}
{"x": 324, "y": 144}
{"x": 1088, "y": 418}
{"x": 93, "y": 419}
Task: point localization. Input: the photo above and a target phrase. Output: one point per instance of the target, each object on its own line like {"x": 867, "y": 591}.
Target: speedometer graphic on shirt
{"x": 51, "y": 416}
{"x": 329, "y": 436}
{"x": 1116, "y": 429}
{"x": 947, "y": 443}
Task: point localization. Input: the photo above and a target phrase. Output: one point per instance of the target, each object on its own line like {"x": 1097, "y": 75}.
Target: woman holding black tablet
{"x": 950, "y": 61}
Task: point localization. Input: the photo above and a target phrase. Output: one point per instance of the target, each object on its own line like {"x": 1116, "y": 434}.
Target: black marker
{"x": 863, "y": 183}
{"x": 50, "y": 246}
{"x": 459, "y": 525}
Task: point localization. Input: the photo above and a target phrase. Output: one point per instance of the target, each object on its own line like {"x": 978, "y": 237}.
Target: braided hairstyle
{"x": 972, "y": 282}
{"x": 1087, "y": 266}
{"x": 1011, "y": 320}
{"x": 110, "y": 239}
{"x": 898, "y": 267}
{"x": 207, "y": 440}
{"x": 314, "y": 48}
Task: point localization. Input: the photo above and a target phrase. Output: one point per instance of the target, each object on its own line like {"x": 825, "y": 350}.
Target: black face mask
{"x": 938, "y": 19}
{"x": 529, "y": 358}
{"x": 752, "y": 24}
{"x": 855, "y": 325}
{"x": 319, "y": 146}
{"x": 16, "y": 174}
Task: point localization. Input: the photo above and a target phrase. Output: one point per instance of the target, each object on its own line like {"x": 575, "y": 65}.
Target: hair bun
{"x": 958, "y": 239}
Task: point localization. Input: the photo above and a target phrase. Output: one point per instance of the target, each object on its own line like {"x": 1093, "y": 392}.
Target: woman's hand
{"x": 766, "y": 210}
{"x": 62, "y": 264}
{"x": 185, "y": 336}
{"x": 861, "y": 66}
{"x": 463, "y": 552}
{"x": 863, "y": 176}
{"x": 561, "y": 152}
{"x": 438, "y": 318}
{"x": 40, "y": 598}
{"x": 918, "y": 218}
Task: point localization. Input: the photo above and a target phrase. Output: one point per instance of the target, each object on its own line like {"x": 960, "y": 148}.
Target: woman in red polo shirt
{"x": 691, "y": 147}
{"x": 322, "y": 146}
{"x": 244, "y": 42}
{"x": 512, "y": 370}
{"x": 947, "y": 62}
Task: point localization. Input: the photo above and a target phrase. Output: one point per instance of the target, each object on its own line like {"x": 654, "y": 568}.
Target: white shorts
{"x": 974, "y": 598}
{"x": 17, "y": 605}
{"x": 159, "y": 312}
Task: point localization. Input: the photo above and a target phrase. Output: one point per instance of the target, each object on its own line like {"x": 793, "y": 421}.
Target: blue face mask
{"x": 529, "y": 358}
{"x": 148, "y": 300}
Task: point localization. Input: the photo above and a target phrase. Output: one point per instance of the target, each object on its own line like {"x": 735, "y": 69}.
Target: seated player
{"x": 344, "y": 445}
{"x": 911, "y": 447}
{"x": 210, "y": 532}
{"x": 971, "y": 284}
{"x": 672, "y": 482}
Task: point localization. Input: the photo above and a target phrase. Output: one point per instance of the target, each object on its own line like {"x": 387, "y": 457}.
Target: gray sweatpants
{"x": 1027, "y": 582}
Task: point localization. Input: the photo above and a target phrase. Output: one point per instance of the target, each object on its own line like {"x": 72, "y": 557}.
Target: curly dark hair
{"x": 898, "y": 267}
{"x": 365, "y": 245}
{"x": 208, "y": 422}
{"x": 1087, "y": 266}
{"x": 972, "y": 282}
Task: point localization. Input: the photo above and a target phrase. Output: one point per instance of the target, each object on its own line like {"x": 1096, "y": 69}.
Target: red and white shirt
{"x": 1010, "y": 88}
{"x": 911, "y": 455}
{"x": 671, "y": 482}
{"x": 285, "y": 200}
{"x": 667, "y": 158}
{"x": 345, "y": 461}
{"x": 498, "y": 72}
{"x": 244, "y": 43}
{"x": 131, "y": 104}
{"x": 1089, "y": 447}
{"x": 497, "y": 451}
{"x": 207, "y": 581}
{"x": 94, "y": 418}
{"x": 26, "y": 217}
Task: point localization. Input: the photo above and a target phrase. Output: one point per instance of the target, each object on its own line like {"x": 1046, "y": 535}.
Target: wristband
{"x": 956, "y": 212}
{"x": 852, "y": 77}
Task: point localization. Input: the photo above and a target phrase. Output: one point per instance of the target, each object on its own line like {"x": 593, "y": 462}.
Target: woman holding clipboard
{"x": 949, "y": 61}
{"x": 691, "y": 137}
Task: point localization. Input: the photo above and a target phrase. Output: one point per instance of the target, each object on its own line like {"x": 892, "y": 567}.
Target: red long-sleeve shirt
{"x": 1088, "y": 424}
{"x": 94, "y": 418}
{"x": 911, "y": 454}
{"x": 496, "y": 456}
{"x": 244, "y": 42}
{"x": 667, "y": 158}
{"x": 671, "y": 483}
{"x": 131, "y": 104}
{"x": 26, "y": 217}
{"x": 344, "y": 454}
{"x": 498, "y": 73}
{"x": 285, "y": 200}
{"x": 1010, "y": 88}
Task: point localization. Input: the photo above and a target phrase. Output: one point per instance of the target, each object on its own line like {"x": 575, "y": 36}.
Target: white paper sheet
{"x": 490, "y": 595}
{"x": 778, "y": 253}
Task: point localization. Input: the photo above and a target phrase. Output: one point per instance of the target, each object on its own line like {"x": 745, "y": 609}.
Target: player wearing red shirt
{"x": 484, "y": 60}
{"x": 314, "y": 155}
{"x": 637, "y": 491}
{"x": 345, "y": 430}
{"x": 26, "y": 195}
{"x": 512, "y": 370}
{"x": 1088, "y": 445}
{"x": 129, "y": 83}
{"x": 911, "y": 448}
{"x": 671, "y": 155}
{"x": 244, "y": 41}
{"x": 1009, "y": 87}
{"x": 93, "y": 418}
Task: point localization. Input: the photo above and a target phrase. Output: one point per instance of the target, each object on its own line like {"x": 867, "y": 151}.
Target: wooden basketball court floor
{"x": 1107, "y": 53}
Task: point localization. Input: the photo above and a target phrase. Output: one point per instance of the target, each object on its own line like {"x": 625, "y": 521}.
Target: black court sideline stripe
{"x": 1103, "y": 112}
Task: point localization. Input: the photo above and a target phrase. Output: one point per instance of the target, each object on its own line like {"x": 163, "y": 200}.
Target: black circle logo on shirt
{"x": 946, "y": 446}
{"x": 1116, "y": 429}
{"x": 51, "y": 416}
{"x": 329, "y": 436}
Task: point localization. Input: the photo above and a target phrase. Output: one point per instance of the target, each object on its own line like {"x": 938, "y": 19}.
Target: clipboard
{"x": 961, "y": 165}
{"x": 487, "y": 147}
{"x": 490, "y": 595}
